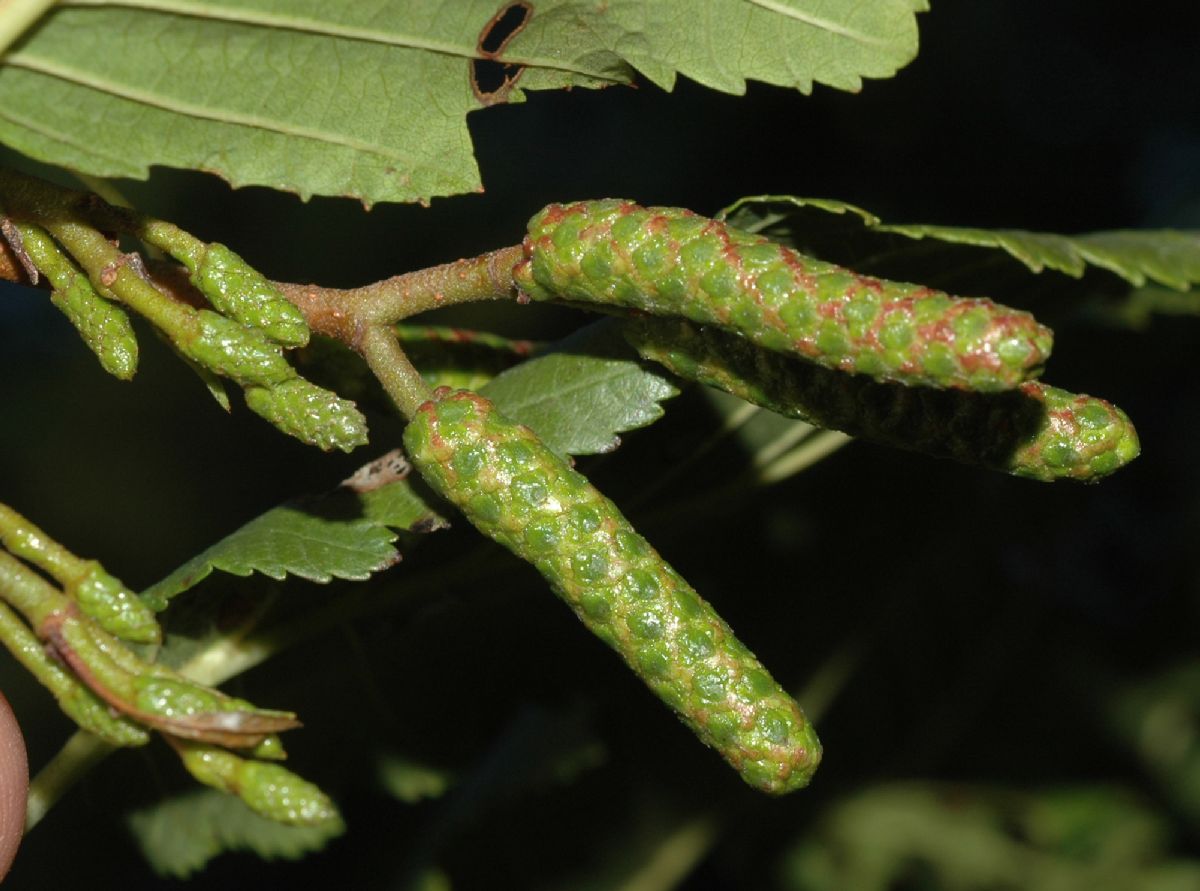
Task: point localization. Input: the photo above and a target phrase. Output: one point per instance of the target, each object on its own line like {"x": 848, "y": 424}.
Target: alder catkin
{"x": 1036, "y": 431}
{"x": 672, "y": 262}
{"x": 518, "y": 492}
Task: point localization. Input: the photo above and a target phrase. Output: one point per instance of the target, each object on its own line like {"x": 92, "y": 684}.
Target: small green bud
{"x": 234, "y": 351}
{"x": 241, "y": 292}
{"x": 522, "y": 495}
{"x": 78, "y": 702}
{"x": 104, "y": 326}
{"x": 310, "y": 413}
{"x": 671, "y": 262}
{"x": 114, "y": 607}
{"x": 269, "y": 789}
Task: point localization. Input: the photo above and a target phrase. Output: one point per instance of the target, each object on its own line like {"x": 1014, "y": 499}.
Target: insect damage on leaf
{"x": 492, "y": 79}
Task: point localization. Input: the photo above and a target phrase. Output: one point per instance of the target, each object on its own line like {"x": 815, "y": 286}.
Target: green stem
{"x": 808, "y": 452}
{"x": 169, "y": 238}
{"x": 28, "y": 542}
{"x": 486, "y": 277}
{"x": 400, "y": 379}
{"x": 31, "y": 653}
{"x": 28, "y": 592}
{"x": 110, "y": 270}
{"x": 82, "y": 752}
{"x": 16, "y": 16}
{"x": 340, "y": 313}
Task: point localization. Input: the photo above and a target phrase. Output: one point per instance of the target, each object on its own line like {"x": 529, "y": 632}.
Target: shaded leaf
{"x": 342, "y": 535}
{"x": 580, "y": 396}
{"x": 370, "y": 100}
{"x": 287, "y": 541}
{"x": 1169, "y": 257}
{"x": 1142, "y": 304}
{"x": 410, "y": 781}
{"x": 180, "y": 835}
{"x": 1093, "y": 837}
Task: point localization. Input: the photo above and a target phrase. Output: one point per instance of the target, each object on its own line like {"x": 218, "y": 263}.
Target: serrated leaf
{"x": 580, "y": 396}
{"x": 180, "y": 835}
{"x": 287, "y": 541}
{"x": 370, "y": 99}
{"x": 724, "y": 43}
{"x": 1167, "y": 256}
{"x": 340, "y": 535}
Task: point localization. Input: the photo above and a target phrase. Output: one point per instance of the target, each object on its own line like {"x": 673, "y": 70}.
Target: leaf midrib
{"x": 89, "y": 80}
{"x": 263, "y": 19}
{"x": 834, "y": 28}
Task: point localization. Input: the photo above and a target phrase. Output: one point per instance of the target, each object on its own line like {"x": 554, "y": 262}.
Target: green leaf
{"x": 410, "y": 781}
{"x": 1166, "y": 256}
{"x": 287, "y": 541}
{"x": 344, "y": 535}
{"x": 579, "y": 397}
{"x": 724, "y": 43}
{"x": 180, "y": 835}
{"x": 370, "y": 99}
{"x": 1141, "y": 305}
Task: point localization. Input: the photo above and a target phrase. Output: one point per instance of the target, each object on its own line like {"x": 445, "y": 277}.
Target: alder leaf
{"x": 179, "y": 836}
{"x": 1167, "y": 256}
{"x": 369, "y": 100}
{"x": 580, "y": 396}
{"x": 343, "y": 534}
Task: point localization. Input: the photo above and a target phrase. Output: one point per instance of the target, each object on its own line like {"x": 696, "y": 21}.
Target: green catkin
{"x": 104, "y": 326}
{"x": 518, "y": 492}
{"x": 310, "y": 413}
{"x": 101, "y": 596}
{"x": 458, "y": 358}
{"x": 672, "y": 262}
{"x": 243, "y": 293}
{"x": 273, "y": 389}
{"x": 1036, "y": 431}
{"x": 156, "y": 696}
{"x": 269, "y": 789}
{"x": 232, "y": 350}
{"x": 79, "y": 703}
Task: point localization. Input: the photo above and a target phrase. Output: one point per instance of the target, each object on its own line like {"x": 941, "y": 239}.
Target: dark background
{"x": 992, "y": 619}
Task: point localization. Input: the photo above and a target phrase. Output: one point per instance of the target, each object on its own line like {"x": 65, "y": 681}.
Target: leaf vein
{"x": 189, "y": 109}
{"x": 787, "y": 9}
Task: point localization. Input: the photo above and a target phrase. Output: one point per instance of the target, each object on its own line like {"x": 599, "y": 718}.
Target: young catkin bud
{"x": 671, "y": 262}
{"x": 234, "y": 351}
{"x": 1035, "y": 431}
{"x": 243, "y": 293}
{"x": 518, "y": 492}
{"x": 310, "y": 413}
{"x": 104, "y": 326}
{"x": 270, "y": 790}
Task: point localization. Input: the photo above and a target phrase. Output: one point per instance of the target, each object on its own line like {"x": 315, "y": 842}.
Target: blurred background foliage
{"x": 1005, "y": 672}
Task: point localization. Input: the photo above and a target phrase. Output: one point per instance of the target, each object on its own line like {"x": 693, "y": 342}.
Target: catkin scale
{"x": 672, "y": 262}
{"x": 241, "y": 292}
{"x": 522, "y": 495}
{"x": 1036, "y": 431}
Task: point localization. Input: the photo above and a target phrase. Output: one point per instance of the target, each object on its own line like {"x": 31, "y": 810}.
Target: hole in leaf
{"x": 491, "y": 77}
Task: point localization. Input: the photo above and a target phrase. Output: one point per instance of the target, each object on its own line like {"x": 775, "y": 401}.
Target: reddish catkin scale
{"x": 671, "y": 262}
{"x": 518, "y": 492}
